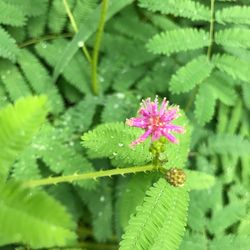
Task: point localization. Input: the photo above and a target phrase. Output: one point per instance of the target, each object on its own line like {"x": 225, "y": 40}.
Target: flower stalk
{"x": 91, "y": 175}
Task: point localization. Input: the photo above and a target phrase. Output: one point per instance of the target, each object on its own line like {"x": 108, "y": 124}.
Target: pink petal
{"x": 136, "y": 122}
{"x": 170, "y": 115}
{"x": 175, "y": 128}
{"x": 163, "y": 106}
{"x": 142, "y": 138}
{"x": 171, "y": 138}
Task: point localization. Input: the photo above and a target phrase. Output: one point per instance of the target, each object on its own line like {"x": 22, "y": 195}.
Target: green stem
{"x": 75, "y": 28}
{"x": 211, "y": 31}
{"x": 95, "y": 82}
{"x": 91, "y": 175}
{"x": 44, "y": 38}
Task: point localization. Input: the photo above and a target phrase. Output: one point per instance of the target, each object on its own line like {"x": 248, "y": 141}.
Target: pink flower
{"x": 156, "y": 121}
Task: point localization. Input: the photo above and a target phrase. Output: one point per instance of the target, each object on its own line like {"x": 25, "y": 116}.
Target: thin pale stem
{"x": 94, "y": 75}
{"x": 211, "y": 31}
{"x": 91, "y": 175}
{"x": 75, "y": 28}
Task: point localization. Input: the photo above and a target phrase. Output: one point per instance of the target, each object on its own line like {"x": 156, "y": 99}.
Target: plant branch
{"x": 43, "y": 38}
{"x": 91, "y": 175}
{"x": 95, "y": 82}
{"x": 75, "y": 28}
{"x": 211, "y": 31}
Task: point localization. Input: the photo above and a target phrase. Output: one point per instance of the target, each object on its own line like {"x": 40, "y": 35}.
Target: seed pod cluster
{"x": 176, "y": 177}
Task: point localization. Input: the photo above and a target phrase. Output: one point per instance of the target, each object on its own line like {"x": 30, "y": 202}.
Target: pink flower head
{"x": 156, "y": 121}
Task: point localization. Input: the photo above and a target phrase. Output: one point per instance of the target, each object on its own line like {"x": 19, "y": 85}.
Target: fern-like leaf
{"x": 227, "y": 144}
{"x": 183, "y": 8}
{"x": 112, "y": 140}
{"x": 178, "y": 40}
{"x": 18, "y": 124}
{"x": 234, "y": 14}
{"x": 13, "y": 81}
{"x": 42, "y": 222}
{"x": 8, "y": 11}
{"x": 233, "y": 37}
{"x": 222, "y": 88}
{"x": 198, "y": 180}
{"x": 8, "y": 48}
{"x": 131, "y": 194}
{"x": 40, "y": 80}
{"x": 233, "y": 66}
{"x": 190, "y": 75}
{"x": 230, "y": 242}
{"x": 160, "y": 222}
{"x": 204, "y": 104}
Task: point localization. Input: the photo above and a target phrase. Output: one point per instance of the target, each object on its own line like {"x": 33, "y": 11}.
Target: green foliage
{"x": 235, "y": 37}
{"x": 182, "y": 8}
{"x": 10, "y": 75}
{"x": 198, "y": 180}
{"x": 195, "y": 53}
{"x": 204, "y": 104}
{"x": 19, "y": 123}
{"x": 42, "y": 221}
{"x": 233, "y": 66}
{"x": 131, "y": 193}
{"x": 8, "y": 48}
{"x": 190, "y": 75}
{"x": 7, "y": 13}
{"x": 112, "y": 140}
{"x": 234, "y": 14}
{"x": 168, "y": 206}
{"x": 178, "y": 40}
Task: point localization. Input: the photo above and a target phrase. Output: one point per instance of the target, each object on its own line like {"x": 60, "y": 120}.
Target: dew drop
{"x": 102, "y": 199}
{"x": 80, "y": 44}
{"x": 120, "y": 144}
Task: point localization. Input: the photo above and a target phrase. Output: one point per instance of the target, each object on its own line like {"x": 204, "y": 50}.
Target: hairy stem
{"x": 211, "y": 31}
{"x": 91, "y": 175}
{"x": 75, "y": 28}
{"x": 95, "y": 82}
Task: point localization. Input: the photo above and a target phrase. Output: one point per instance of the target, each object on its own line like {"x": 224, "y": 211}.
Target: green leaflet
{"x": 222, "y": 88}
{"x": 183, "y": 8}
{"x": 230, "y": 242}
{"x": 112, "y": 140}
{"x": 227, "y": 144}
{"x": 18, "y": 124}
{"x": 246, "y": 94}
{"x": 204, "y": 104}
{"x": 40, "y": 80}
{"x": 10, "y": 76}
{"x": 131, "y": 194}
{"x": 233, "y": 66}
{"x": 194, "y": 241}
{"x": 198, "y": 180}
{"x": 174, "y": 41}
{"x": 42, "y": 221}
{"x": 191, "y": 74}
{"x": 8, "y": 11}
{"x": 233, "y": 37}
{"x": 99, "y": 202}
{"x": 29, "y": 8}
{"x": 234, "y": 14}
{"x": 165, "y": 205}
{"x": 226, "y": 217}
{"x": 176, "y": 155}
{"x": 77, "y": 71}
{"x": 8, "y": 48}
{"x": 85, "y": 31}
